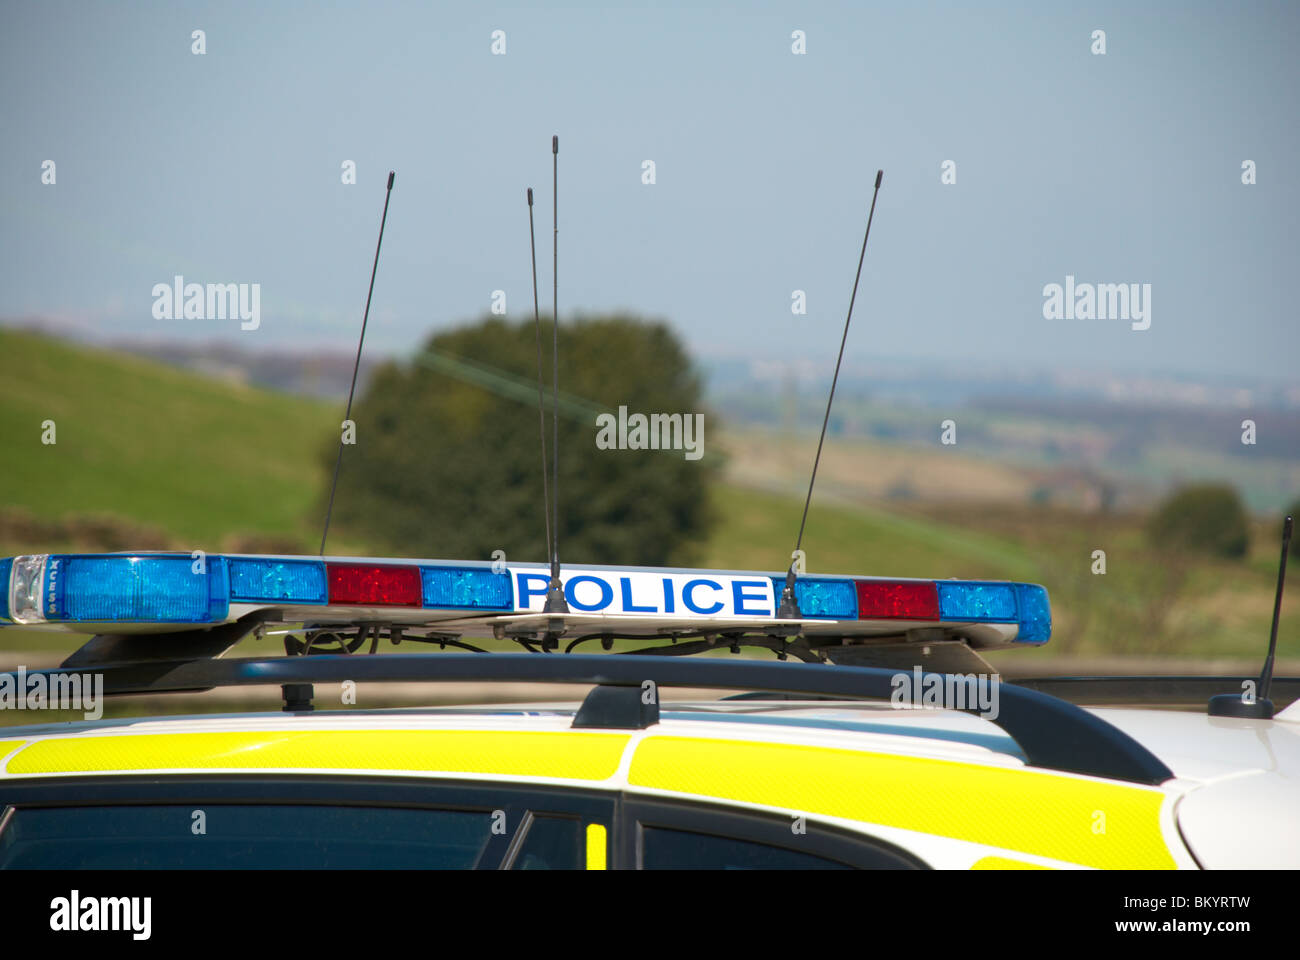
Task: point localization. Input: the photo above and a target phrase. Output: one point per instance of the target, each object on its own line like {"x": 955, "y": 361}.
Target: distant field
{"x": 778, "y": 461}
{"x": 1052, "y": 449}
{"x": 166, "y": 457}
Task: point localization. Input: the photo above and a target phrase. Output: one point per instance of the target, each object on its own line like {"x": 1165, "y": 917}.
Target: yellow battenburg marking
{"x": 595, "y": 846}
{"x": 567, "y": 756}
{"x": 1014, "y": 808}
{"x": 9, "y": 746}
{"x": 1005, "y": 863}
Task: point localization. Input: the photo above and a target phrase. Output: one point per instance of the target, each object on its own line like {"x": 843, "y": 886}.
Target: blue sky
{"x": 226, "y": 168}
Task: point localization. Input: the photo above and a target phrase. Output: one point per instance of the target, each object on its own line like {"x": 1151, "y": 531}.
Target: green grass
{"x": 199, "y": 458}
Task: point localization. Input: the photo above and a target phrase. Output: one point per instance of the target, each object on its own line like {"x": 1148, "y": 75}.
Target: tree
{"x": 1206, "y": 518}
{"x": 447, "y": 460}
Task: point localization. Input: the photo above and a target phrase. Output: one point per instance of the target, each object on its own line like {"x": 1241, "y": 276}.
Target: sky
{"x": 227, "y": 167}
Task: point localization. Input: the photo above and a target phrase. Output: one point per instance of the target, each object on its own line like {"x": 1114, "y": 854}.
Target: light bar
{"x": 182, "y": 588}
{"x": 369, "y": 585}
{"x": 277, "y": 581}
{"x": 466, "y": 588}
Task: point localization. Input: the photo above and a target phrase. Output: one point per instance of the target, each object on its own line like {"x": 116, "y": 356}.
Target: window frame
{"x": 856, "y": 850}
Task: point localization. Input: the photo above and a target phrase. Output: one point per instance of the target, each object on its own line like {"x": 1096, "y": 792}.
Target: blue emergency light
{"x": 254, "y": 580}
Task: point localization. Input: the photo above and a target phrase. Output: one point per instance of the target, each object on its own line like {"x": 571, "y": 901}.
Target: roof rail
{"x": 1155, "y": 690}
{"x": 1052, "y": 733}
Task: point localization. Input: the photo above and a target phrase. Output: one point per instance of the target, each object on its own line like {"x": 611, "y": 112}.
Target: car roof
{"x": 1200, "y": 747}
{"x": 1194, "y": 746}
{"x": 868, "y": 726}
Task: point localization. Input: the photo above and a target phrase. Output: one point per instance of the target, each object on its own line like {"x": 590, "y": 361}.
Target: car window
{"x": 251, "y": 836}
{"x": 664, "y": 849}
{"x": 552, "y": 843}
{"x": 380, "y": 822}
{"x": 663, "y": 834}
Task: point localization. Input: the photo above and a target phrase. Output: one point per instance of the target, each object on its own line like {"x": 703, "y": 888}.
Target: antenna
{"x": 789, "y": 608}
{"x": 555, "y": 602}
{"x": 1260, "y": 708}
{"x": 357, "y": 365}
{"x": 541, "y": 403}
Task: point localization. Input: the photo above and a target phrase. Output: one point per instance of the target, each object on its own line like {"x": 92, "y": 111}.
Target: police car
{"x": 867, "y": 731}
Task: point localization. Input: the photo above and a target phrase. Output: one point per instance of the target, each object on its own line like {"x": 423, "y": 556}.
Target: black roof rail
{"x": 1052, "y": 733}
{"x": 1154, "y": 690}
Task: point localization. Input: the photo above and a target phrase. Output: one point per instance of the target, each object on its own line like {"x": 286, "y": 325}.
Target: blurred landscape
{"x": 167, "y": 446}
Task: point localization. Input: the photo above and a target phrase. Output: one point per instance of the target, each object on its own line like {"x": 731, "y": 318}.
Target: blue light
{"x": 155, "y": 589}
{"x": 822, "y": 599}
{"x": 966, "y": 600}
{"x": 1035, "y": 614}
{"x": 5, "y": 565}
{"x": 278, "y": 581}
{"x": 466, "y": 588}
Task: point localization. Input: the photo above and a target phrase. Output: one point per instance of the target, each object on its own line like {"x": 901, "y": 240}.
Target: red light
{"x": 366, "y": 586}
{"x": 897, "y": 601}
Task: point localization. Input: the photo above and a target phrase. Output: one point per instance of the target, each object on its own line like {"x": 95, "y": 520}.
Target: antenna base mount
{"x": 789, "y": 608}
{"x": 1232, "y": 705}
{"x": 555, "y": 602}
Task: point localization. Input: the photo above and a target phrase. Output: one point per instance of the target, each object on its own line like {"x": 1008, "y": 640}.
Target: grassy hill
{"x": 200, "y": 460}
{"x": 149, "y": 456}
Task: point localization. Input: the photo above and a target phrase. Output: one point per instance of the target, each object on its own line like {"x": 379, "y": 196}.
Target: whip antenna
{"x": 789, "y": 608}
{"x": 555, "y": 602}
{"x": 365, "y": 317}
{"x": 541, "y": 403}
{"x": 1266, "y": 678}
{"x": 1259, "y": 707}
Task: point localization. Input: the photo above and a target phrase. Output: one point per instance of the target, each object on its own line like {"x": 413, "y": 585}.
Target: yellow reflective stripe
{"x": 1005, "y": 863}
{"x": 595, "y": 846}
{"x": 564, "y": 755}
{"x": 8, "y": 747}
{"x": 1014, "y": 808}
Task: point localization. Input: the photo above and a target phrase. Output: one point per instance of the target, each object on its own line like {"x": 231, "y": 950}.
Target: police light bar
{"x": 162, "y": 592}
